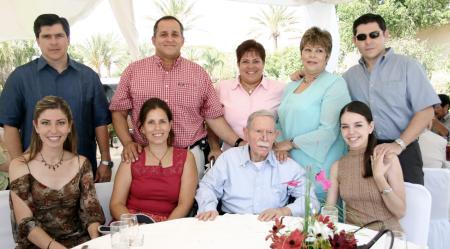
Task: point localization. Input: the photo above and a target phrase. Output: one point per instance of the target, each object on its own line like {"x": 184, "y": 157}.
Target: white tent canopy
{"x": 17, "y": 17}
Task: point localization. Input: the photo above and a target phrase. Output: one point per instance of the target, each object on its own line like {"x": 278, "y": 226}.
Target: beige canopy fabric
{"x": 17, "y": 17}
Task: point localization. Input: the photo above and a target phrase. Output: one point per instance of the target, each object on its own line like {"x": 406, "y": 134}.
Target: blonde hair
{"x": 316, "y": 36}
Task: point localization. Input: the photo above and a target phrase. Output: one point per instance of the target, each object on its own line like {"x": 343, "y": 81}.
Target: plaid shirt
{"x": 186, "y": 88}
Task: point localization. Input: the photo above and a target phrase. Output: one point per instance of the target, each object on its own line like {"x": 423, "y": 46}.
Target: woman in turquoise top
{"x": 309, "y": 110}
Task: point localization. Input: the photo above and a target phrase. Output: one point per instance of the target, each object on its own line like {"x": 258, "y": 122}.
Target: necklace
{"x": 159, "y": 159}
{"x": 248, "y": 88}
{"x": 52, "y": 166}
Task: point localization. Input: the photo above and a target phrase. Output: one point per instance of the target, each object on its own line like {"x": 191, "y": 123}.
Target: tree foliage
{"x": 282, "y": 63}
{"x": 14, "y": 54}
{"x": 274, "y": 21}
{"x": 403, "y": 17}
{"x": 183, "y": 10}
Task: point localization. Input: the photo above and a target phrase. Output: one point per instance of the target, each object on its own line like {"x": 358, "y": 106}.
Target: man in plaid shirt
{"x": 184, "y": 85}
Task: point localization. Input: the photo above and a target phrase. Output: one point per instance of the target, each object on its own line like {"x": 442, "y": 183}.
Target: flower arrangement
{"x": 316, "y": 232}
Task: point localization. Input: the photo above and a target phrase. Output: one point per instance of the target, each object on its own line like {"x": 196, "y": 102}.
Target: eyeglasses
{"x": 372, "y": 35}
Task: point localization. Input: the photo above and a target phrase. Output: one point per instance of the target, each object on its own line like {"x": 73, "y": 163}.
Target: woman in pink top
{"x": 162, "y": 182}
{"x": 247, "y": 93}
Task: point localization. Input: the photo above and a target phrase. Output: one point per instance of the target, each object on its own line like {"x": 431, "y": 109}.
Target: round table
{"x": 227, "y": 231}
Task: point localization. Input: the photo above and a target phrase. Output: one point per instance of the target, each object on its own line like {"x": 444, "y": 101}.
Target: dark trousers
{"x": 411, "y": 162}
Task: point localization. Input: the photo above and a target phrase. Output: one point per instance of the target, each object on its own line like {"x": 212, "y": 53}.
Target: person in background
{"x": 309, "y": 110}
{"x": 433, "y": 148}
{"x": 4, "y": 165}
{"x": 55, "y": 73}
{"x": 370, "y": 182}
{"x": 161, "y": 183}
{"x": 249, "y": 92}
{"x": 441, "y": 120}
{"x": 182, "y": 84}
{"x": 250, "y": 180}
{"x": 52, "y": 199}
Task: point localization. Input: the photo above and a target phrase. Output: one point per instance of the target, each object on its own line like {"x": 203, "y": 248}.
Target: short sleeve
{"x": 420, "y": 92}
{"x": 102, "y": 115}
{"x": 12, "y": 102}
{"x": 211, "y": 108}
{"x": 121, "y": 100}
{"x": 90, "y": 210}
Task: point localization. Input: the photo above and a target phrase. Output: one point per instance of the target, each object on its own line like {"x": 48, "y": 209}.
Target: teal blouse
{"x": 311, "y": 118}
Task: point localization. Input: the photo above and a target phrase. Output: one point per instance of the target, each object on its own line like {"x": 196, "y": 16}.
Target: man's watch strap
{"x": 108, "y": 163}
{"x": 400, "y": 142}
{"x": 238, "y": 141}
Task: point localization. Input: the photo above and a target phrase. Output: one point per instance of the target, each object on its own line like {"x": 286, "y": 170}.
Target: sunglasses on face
{"x": 372, "y": 35}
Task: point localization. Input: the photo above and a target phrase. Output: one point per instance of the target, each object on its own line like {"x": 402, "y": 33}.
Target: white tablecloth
{"x": 227, "y": 231}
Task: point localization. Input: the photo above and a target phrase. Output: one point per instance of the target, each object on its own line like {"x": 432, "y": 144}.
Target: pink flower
{"x": 292, "y": 183}
{"x": 322, "y": 179}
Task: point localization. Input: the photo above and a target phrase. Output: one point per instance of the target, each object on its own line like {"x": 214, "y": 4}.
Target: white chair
{"x": 437, "y": 181}
{"x": 416, "y": 221}
{"x": 6, "y": 236}
{"x": 104, "y": 192}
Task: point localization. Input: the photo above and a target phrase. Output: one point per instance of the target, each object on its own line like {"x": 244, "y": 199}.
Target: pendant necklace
{"x": 157, "y": 158}
{"x": 50, "y": 165}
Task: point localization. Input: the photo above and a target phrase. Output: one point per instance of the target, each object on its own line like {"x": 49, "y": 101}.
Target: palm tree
{"x": 274, "y": 21}
{"x": 14, "y": 54}
{"x": 102, "y": 50}
{"x": 212, "y": 59}
{"x": 181, "y": 9}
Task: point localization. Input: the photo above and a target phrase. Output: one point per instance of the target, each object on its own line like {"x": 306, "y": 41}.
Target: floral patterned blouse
{"x": 64, "y": 214}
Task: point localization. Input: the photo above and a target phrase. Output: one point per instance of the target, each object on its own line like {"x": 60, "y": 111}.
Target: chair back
{"x": 437, "y": 181}
{"x": 416, "y": 222}
{"x": 6, "y": 236}
{"x": 104, "y": 192}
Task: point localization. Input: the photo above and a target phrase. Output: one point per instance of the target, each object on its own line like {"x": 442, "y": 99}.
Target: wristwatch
{"x": 400, "y": 142}
{"x": 108, "y": 163}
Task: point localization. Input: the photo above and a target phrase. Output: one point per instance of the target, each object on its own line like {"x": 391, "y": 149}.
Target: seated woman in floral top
{"x": 53, "y": 199}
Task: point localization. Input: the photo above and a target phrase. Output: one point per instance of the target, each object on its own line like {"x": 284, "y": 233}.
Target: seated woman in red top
{"x": 162, "y": 182}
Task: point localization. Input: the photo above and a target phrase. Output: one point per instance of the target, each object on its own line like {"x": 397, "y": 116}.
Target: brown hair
{"x": 152, "y": 104}
{"x": 316, "y": 36}
{"x": 250, "y": 45}
{"x": 52, "y": 103}
{"x": 362, "y": 109}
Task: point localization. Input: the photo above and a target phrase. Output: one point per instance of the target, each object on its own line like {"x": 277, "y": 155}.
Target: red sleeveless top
{"x": 154, "y": 190}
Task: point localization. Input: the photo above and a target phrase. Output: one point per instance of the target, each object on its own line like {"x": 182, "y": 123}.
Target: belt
{"x": 202, "y": 142}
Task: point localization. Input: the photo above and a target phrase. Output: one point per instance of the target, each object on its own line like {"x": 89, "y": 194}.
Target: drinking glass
{"x": 134, "y": 237}
{"x": 118, "y": 235}
{"x": 399, "y": 240}
{"x": 332, "y": 212}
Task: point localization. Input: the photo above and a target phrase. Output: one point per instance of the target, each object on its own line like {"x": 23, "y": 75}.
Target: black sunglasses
{"x": 372, "y": 35}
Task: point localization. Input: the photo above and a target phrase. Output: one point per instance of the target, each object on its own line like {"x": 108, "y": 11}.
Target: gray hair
{"x": 260, "y": 113}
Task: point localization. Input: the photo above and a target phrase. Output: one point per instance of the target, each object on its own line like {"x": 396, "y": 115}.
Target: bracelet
{"x": 51, "y": 241}
{"x": 238, "y": 141}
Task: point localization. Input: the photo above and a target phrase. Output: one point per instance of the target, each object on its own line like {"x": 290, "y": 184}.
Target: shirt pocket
{"x": 279, "y": 194}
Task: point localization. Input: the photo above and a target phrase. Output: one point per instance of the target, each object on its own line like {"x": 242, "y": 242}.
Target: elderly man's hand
{"x": 272, "y": 213}
{"x": 208, "y": 215}
{"x": 130, "y": 152}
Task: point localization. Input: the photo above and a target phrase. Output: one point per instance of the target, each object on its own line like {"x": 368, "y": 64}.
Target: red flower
{"x": 295, "y": 239}
{"x": 342, "y": 240}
